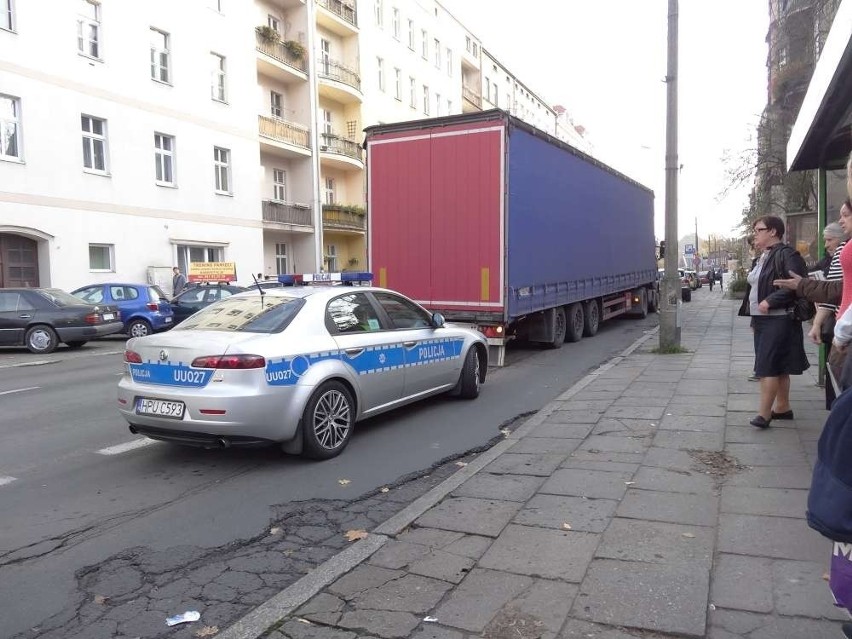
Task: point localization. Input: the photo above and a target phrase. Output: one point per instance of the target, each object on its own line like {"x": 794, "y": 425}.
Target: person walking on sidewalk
{"x": 778, "y": 340}
{"x": 711, "y": 278}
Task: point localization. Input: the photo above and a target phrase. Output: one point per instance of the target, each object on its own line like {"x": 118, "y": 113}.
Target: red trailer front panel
{"x": 435, "y": 201}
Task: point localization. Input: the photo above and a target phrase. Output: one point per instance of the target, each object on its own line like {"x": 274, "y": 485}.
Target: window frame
{"x": 412, "y": 92}
{"x": 426, "y": 99}
{"x": 222, "y": 170}
{"x": 331, "y": 258}
{"x": 4, "y": 125}
{"x": 380, "y": 64}
{"x": 397, "y": 74}
{"x": 276, "y": 102}
{"x": 411, "y": 34}
{"x": 424, "y": 48}
{"x": 449, "y": 62}
{"x": 437, "y": 45}
{"x": 218, "y": 78}
{"x": 9, "y": 23}
{"x": 162, "y": 157}
{"x": 91, "y": 140}
{"x": 110, "y": 254}
{"x": 279, "y": 186}
{"x": 157, "y": 67}
{"x": 281, "y": 257}
{"x": 330, "y": 190}
{"x": 84, "y": 43}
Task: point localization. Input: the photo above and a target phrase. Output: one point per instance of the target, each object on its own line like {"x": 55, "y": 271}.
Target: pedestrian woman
{"x": 778, "y": 341}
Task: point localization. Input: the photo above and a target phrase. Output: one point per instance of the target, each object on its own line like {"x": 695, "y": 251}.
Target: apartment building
{"x": 145, "y": 135}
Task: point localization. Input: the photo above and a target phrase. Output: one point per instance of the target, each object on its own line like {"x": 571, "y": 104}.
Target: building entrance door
{"x": 18, "y": 261}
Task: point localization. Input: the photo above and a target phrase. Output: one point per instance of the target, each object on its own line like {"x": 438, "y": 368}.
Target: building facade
{"x": 137, "y": 137}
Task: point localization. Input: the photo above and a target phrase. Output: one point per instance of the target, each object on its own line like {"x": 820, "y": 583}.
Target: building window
{"x": 412, "y": 92}
{"x": 94, "y": 143}
{"x": 89, "y": 29}
{"x": 330, "y": 195}
{"x": 331, "y": 258}
{"x": 437, "y": 104}
{"x": 10, "y": 128}
{"x": 281, "y": 258}
{"x": 222, "y": 169}
{"x": 279, "y": 185}
{"x": 381, "y": 69}
{"x": 217, "y": 72}
{"x": 425, "y": 99}
{"x": 273, "y": 23}
{"x": 275, "y": 104}
{"x": 496, "y": 100}
{"x": 380, "y": 13}
{"x": 351, "y": 129}
{"x": 449, "y": 107}
{"x": 101, "y": 257}
{"x": 397, "y": 84}
{"x": 164, "y": 159}
{"x": 411, "y": 34}
{"x": 396, "y": 23}
{"x": 425, "y": 45}
{"x": 437, "y": 53}
{"x": 450, "y": 62}
{"x": 160, "y": 54}
{"x": 326, "y": 122}
{"x": 7, "y": 15}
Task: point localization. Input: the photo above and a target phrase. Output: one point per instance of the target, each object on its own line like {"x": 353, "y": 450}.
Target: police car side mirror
{"x": 437, "y": 320}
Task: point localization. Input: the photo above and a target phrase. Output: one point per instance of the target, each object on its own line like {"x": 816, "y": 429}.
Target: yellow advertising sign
{"x": 212, "y": 271}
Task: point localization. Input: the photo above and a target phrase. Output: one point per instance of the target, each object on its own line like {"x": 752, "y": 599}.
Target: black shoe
{"x": 787, "y": 414}
{"x": 760, "y": 422}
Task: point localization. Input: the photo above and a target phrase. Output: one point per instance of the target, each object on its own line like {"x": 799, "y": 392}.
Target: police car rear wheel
{"x": 471, "y": 375}
{"x": 327, "y": 421}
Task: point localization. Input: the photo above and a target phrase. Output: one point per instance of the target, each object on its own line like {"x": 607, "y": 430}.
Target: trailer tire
{"x": 591, "y": 318}
{"x": 576, "y": 322}
{"x": 559, "y": 328}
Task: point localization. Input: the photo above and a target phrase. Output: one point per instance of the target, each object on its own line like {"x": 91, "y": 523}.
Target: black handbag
{"x": 802, "y": 310}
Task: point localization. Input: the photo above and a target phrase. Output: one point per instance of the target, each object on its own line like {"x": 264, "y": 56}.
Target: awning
{"x": 821, "y": 136}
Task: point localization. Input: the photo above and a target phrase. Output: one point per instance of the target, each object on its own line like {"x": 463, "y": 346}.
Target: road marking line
{"x": 38, "y": 362}
{"x": 20, "y": 390}
{"x": 123, "y": 448}
{"x": 6, "y": 480}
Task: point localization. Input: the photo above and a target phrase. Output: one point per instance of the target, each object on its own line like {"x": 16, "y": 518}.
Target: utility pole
{"x": 670, "y": 294}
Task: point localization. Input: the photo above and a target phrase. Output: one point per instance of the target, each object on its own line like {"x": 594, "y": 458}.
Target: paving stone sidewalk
{"x": 639, "y": 504}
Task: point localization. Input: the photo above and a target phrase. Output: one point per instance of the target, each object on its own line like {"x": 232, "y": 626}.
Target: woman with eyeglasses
{"x": 779, "y": 349}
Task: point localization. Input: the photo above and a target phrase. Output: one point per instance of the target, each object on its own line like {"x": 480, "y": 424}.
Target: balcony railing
{"x": 341, "y": 9}
{"x": 330, "y": 143}
{"x": 341, "y": 73}
{"x": 337, "y": 217}
{"x": 283, "y": 131}
{"x": 283, "y": 213}
{"x": 275, "y": 49}
{"x": 471, "y": 96}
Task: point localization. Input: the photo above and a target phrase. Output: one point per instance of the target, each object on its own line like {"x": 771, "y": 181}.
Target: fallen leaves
{"x": 566, "y": 526}
{"x": 344, "y": 482}
{"x": 355, "y": 535}
{"x": 207, "y": 631}
{"x": 461, "y": 464}
{"x": 276, "y": 530}
{"x": 385, "y": 489}
{"x": 101, "y": 600}
{"x": 689, "y": 535}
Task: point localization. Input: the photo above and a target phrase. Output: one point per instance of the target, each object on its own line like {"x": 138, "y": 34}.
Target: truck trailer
{"x": 501, "y": 226}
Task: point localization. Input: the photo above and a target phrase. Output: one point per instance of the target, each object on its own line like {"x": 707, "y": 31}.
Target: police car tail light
{"x": 132, "y": 357}
{"x": 229, "y": 362}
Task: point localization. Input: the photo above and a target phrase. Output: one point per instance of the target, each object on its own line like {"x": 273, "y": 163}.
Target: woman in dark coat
{"x": 778, "y": 338}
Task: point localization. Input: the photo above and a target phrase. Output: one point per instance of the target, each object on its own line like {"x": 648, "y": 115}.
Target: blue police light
{"x": 348, "y": 278}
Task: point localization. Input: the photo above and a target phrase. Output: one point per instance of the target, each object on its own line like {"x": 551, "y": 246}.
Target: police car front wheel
{"x": 327, "y": 421}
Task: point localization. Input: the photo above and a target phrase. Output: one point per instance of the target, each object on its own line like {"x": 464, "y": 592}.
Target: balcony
{"x": 278, "y": 56}
{"x": 290, "y": 214}
{"x": 284, "y": 138}
{"x": 340, "y": 217}
{"x": 339, "y": 82}
{"x": 471, "y": 96}
{"x": 340, "y": 152}
{"x": 338, "y": 17}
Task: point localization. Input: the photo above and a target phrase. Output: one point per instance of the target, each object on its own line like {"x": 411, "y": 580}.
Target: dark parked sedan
{"x": 201, "y": 296}
{"x": 41, "y": 318}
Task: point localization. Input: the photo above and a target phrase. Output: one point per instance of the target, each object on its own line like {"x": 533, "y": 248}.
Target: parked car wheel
{"x": 138, "y": 328}
{"x": 327, "y": 421}
{"x": 471, "y": 377}
{"x": 591, "y": 318}
{"x": 576, "y": 322}
{"x": 77, "y": 344}
{"x": 41, "y": 339}
{"x": 559, "y": 328}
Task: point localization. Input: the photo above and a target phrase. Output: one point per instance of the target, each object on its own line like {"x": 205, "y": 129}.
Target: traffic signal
{"x": 662, "y": 249}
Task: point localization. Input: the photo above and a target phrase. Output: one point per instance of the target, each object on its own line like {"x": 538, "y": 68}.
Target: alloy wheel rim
{"x": 40, "y": 339}
{"x": 138, "y": 330}
{"x": 331, "y": 419}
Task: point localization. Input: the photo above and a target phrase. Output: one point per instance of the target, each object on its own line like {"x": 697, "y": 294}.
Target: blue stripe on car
{"x": 167, "y": 374}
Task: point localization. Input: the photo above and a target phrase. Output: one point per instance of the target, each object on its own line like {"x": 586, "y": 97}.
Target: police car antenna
{"x": 259, "y": 288}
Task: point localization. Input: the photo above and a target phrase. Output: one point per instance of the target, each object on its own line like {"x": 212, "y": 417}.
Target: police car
{"x": 296, "y": 366}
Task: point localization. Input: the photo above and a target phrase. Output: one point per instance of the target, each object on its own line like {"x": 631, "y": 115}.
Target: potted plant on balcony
{"x": 294, "y": 47}
{"x": 268, "y": 34}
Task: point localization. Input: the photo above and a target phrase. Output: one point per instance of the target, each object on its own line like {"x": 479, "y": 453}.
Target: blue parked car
{"x": 144, "y": 308}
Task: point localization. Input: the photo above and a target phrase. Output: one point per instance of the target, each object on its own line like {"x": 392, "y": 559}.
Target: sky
{"x": 605, "y": 61}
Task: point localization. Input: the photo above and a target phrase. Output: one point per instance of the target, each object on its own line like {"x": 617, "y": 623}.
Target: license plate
{"x": 168, "y": 320}
{"x": 160, "y": 408}
{"x": 108, "y": 316}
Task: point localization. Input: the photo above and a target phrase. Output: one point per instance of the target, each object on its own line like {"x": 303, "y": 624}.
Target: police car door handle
{"x": 409, "y": 344}
{"x": 354, "y": 352}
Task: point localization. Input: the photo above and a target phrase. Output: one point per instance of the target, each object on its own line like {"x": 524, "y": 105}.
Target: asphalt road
{"x": 77, "y": 490}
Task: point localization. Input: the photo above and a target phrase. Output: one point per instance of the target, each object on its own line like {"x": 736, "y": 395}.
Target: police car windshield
{"x": 246, "y": 314}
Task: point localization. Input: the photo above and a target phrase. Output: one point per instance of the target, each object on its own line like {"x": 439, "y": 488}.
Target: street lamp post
{"x": 670, "y": 302}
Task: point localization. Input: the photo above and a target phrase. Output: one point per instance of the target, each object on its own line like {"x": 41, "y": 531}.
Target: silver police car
{"x": 296, "y": 366}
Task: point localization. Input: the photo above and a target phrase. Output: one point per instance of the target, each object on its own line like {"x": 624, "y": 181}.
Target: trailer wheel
{"x": 576, "y": 322}
{"x": 559, "y": 328}
{"x": 591, "y": 318}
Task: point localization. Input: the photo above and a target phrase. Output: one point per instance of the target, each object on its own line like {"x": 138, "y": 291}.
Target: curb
{"x": 259, "y": 620}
